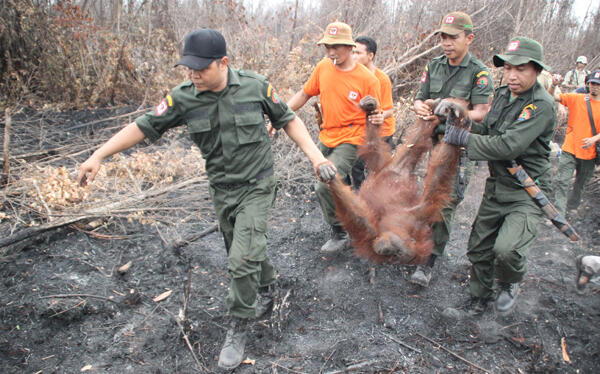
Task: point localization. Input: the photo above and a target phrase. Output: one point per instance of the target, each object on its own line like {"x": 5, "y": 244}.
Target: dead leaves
{"x": 162, "y": 296}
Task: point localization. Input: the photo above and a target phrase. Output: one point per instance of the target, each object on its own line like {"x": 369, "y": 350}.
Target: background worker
{"x": 223, "y": 109}
{"x": 578, "y": 153}
{"x": 459, "y": 75}
{"x": 341, "y": 84}
{"x": 519, "y": 127}
{"x": 364, "y": 53}
{"x": 576, "y": 78}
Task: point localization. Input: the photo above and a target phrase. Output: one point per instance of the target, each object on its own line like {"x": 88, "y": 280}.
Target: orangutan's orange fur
{"x": 392, "y": 210}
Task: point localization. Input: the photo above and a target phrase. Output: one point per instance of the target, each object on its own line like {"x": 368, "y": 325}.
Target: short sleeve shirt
{"x": 470, "y": 80}
{"x": 389, "y": 124}
{"x": 227, "y": 126}
{"x": 578, "y": 125}
{"x": 340, "y": 92}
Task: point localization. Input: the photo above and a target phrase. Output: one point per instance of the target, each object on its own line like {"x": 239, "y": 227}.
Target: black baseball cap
{"x": 594, "y": 77}
{"x": 201, "y": 47}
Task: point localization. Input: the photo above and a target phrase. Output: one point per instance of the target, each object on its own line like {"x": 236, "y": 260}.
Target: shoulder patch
{"x": 527, "y": 112}
{"x": 169, "y": 100}
{"x": 272, "y": 94}
{"x": 424, "y": 76}
{"x": 483, "y": 72}
{"x": 482, "y": 82}
{"x": 161, "y": 108}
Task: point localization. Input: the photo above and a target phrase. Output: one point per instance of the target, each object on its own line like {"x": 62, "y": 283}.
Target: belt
{"x": 234, "y": 186}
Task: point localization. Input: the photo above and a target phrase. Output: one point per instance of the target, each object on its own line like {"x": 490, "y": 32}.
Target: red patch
{"x": 162, "y": 107}
{"x": 449, "y": 20}
{"x": 333, "y": 31}
{"x": 424, "y": 77}
{"x": 513, "y": 46}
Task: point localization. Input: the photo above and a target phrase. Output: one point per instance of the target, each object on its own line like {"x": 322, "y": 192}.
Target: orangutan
{"x": 390, "y": 218}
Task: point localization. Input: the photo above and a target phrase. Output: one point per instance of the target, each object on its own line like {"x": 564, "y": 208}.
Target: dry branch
{"x": 96, "y": 212}
{"x": 192, "y": 238}
{"x": 454, "y": 354}
{"x": 6, "y": 148}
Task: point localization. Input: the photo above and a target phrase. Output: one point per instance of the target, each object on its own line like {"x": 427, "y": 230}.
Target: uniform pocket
{"x": 460, "y": 93}
{"x": 435, "y": 85}
{"x": 198, "y": 125}
{"x": 250, "y": 127}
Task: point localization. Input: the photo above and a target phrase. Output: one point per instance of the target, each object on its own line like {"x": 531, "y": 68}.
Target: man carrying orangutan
{"x": 223, "y": 109}
{"x": 341, "y": 84}
{"x": 519, "y": 127}
{"x": 364, "y": 53}
{"x": 456, "y": 74}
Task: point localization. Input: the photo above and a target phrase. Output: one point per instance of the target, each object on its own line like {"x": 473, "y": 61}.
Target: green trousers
{"x": 500, "y": 240}
{"x": 442, "y": 229}
{"x": 343, "y": 157}
{"x": 243, "y": 214}
{"x": 584, "y": 170}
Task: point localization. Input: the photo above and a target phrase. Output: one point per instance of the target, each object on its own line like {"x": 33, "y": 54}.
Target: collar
{"x": 463, "y": 64}
{"x": 232, "y": 79}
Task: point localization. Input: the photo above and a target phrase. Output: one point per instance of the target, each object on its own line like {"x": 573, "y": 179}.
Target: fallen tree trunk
{"x": 96, "y": 212}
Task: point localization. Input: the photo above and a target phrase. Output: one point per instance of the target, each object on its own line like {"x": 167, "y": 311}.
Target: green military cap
{"x": 522, "y": 50}
{"x": 455, "y": 23}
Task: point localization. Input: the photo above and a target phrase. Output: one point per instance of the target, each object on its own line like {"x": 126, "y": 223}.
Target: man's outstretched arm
{"x": 298, "y": 100}
{"x": 129, "y": 136}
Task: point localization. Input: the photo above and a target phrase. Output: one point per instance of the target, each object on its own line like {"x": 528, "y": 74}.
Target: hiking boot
{"x": 507, "y": 296}
{"x": 264, "y": 301}
{"x": 421, "y": 276}
{"x": 338, "y": 242}
{"x": 232, "y": 353}
{"x": 476, "y": 306}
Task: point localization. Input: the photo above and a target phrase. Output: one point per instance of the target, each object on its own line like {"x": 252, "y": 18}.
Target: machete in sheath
{"x": 542, "y": 201}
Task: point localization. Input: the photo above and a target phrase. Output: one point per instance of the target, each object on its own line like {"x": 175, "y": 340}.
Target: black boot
{"x": 264, "y": 301}
{"x": 232, "y": 353}
{"x": 477, "y": 306}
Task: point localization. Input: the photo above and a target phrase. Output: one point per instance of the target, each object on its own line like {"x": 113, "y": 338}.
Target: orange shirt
{"x": 389, "y": 124}
{"x": 578, "y": 126}
{"x": 341, "y": 91}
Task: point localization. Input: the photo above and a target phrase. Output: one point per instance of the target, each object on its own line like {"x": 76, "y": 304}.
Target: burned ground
{"x": 65, "y": 308}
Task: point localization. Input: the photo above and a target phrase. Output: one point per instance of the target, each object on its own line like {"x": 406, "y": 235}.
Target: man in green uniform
{"x": 459, "y": 75}
{"x": 223, "y": 109}
{"x": 518, "y": 127}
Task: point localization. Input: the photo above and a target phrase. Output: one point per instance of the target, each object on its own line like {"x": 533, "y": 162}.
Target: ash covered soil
{"x": 333, "y": 314}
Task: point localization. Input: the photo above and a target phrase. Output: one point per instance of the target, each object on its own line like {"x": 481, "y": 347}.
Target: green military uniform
{"x": 471, "y": 81}
{"x": 229, "y": 128}
{"x": 515, "y": 129}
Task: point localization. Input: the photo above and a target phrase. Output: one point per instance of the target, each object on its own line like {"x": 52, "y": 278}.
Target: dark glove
{"x": 440, "y": 129}
{"x": 326, "y": 171}
{"x": 456, "y": 135}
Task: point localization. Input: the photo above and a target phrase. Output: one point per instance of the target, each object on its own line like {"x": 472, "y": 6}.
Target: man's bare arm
{"x": 388, "y": 113}
{"x": 129, "y": 136}
{"x": 298, "y": 100}
{"x": 297, "y": 131}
